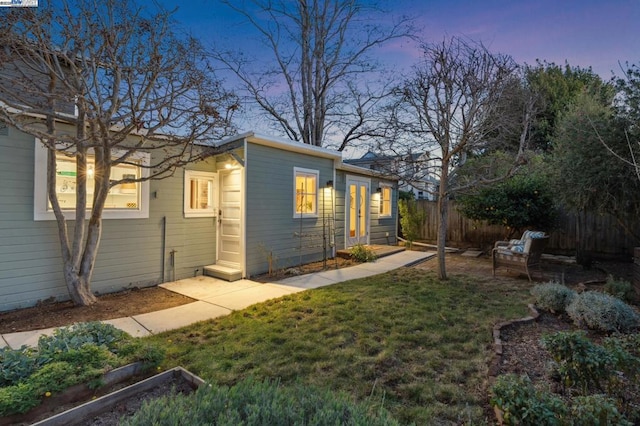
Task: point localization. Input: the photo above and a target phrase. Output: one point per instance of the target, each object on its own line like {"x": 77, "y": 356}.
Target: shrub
{"x": 16, "y": 365}
{"x": 603, "y": 312}
{"x": 362, "y": 253}
{"x": 553, "y": 296}
{"x": 77, "y": 354}
{"x": 412, "y": 219}
{"x": 580, "y": 362}
{"x": 525, "y": 200}
{"x": 621, "y": 289}
{"x": 522, "y": 404}
{"x": 18, "y": 398}
{"x": 256, "y": 403}
{"x": 596, "y": 410}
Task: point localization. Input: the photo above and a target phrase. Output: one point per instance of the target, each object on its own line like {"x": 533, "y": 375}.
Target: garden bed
{"x": 110, "y": 408}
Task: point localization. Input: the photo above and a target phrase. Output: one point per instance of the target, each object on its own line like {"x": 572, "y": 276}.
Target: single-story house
{"x": 259, "y": 203}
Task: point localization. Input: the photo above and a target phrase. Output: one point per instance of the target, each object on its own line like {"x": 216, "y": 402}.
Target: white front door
{"x": 230, "y": 219}
{"x": 357, "y": 217}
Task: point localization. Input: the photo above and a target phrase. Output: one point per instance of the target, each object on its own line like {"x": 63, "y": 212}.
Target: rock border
{"x": 494, "y": 365}
{"x": 496, "y": 359}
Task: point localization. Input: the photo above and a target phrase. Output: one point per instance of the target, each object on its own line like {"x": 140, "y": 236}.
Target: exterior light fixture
{"x": 379, "y": 190}
{"x": 329, "y": 184}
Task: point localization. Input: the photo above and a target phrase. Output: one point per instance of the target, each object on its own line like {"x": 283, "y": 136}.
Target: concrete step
{"x": 223, "y": 272}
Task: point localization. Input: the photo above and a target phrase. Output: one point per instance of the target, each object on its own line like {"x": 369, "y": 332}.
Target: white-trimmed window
{"x": 200, "y": 194}
{"x": 305, "y": 199}
{"x": 124, "y": 201}
{"x": 385, "y": 201}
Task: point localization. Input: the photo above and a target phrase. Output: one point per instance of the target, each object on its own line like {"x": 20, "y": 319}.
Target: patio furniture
{"x": 520, "y": 255}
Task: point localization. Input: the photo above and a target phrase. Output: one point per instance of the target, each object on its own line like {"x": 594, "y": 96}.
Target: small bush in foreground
{"x": 580, "y": 363}
{"x": 603, "y": 312}
{"x": 256, "y": 403}
{"x": 596, "y": 410}
{"x": 522, "y": 404}
{"x": 553, "y": 296}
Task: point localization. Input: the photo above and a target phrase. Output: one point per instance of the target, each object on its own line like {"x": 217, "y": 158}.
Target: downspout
{"x": 163, "y": 246}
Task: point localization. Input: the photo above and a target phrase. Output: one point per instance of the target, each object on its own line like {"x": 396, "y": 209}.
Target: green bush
{"x": 251, "y": 402}
{"x": 362, "y": 253}
{"x": 522, "y": 404}
{"x": 525, "y": 200}
{"x": 621, "y": 289}
{"x": 16, "y": 365}
{"x": 77, "y": 354}
{"x": 579, "y": 362}
{"x": 18, "y": 398}
{"x": 553, "y": 296}
{"x": 596, "y": 410}
{"x": 603, "y": 312}
{"x": 412, "y": 219}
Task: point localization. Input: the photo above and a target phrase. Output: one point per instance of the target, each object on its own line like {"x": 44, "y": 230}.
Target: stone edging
{"x": 496, "y": 360}
{"x": 494, "y": 365}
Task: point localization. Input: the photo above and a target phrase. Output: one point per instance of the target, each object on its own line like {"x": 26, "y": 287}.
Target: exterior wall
{"x": 131, "y": 250}
{"x": 270, "y": 223}
{"x": 381, "y": 230}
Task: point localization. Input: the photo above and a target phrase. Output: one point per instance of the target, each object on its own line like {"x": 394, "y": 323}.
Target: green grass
{"x": 404, "y": 339}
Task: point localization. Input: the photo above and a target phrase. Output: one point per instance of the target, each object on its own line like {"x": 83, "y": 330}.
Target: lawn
{"x": 405, "y": 340}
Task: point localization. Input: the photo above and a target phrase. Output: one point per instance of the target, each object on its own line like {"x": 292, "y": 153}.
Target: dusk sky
{"x": 596, "y": 33}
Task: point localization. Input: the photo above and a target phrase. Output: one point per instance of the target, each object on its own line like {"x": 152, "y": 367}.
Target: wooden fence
{"x": 600, "y": 236}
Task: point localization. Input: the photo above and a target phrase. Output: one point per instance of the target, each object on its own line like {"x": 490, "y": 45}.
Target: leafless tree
{"x": 448, "y": 108}
{"x": 106, "y": 79}
{"x": 316, "y": 82}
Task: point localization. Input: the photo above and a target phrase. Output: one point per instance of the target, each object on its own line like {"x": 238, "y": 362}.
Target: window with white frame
{"x": 306, "y": 192}
{"x": 200, "y": 194}
{"x": 385, "y": 201}
{"x": 129, "y": 200}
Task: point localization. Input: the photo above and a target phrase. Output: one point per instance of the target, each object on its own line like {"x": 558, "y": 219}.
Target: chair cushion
{"x": 532, "y": 234}
{"x": 518, "y": 248}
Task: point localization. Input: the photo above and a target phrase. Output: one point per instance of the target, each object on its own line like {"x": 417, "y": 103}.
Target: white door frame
{"x": 231, "y": 217}
{"x": 360, "y": 236}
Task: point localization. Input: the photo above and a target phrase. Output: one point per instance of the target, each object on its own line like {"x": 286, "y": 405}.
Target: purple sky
{"x": 596, "y": 33}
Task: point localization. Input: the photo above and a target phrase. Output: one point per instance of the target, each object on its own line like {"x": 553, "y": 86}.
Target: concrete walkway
{"x": 216, "y": 298}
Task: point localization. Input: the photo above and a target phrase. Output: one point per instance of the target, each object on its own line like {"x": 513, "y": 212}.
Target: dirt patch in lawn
{"x": 109, "y": 306}
{"x": 140, "y": 301}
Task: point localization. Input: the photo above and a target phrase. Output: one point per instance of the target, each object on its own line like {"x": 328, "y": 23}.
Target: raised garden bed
{"x": 108, "y": 408}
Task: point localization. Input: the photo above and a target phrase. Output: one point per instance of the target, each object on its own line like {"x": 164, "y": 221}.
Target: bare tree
{"x": 448, "y": 107}
{"x": 105, "y": 80}
{"x": 316, "y": 84}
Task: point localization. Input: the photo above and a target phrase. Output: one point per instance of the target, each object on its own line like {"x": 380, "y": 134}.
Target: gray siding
{"x": 130, "y": 253}
{"x": 270, "y": 226}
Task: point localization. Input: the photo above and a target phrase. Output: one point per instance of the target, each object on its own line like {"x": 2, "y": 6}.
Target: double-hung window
{"x": 306, "y": 192}
{"x": 128, "y": 200}
{"x": 385, "y": 201}
{"x": 199, "y": 194}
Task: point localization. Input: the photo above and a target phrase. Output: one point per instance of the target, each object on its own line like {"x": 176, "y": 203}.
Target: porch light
{"x": 90, "y": 171}
{"x": 329, "y": 184}
{"x": 379, "y": 190}
{"x": 228, "y": 166}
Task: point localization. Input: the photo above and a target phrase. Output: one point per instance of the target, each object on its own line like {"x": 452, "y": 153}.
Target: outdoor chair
{"x": 520, "y": 255}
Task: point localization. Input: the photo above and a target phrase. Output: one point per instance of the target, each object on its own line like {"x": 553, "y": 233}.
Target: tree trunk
{"x": 443, "y": 207}
{"x": 79, "y": 287}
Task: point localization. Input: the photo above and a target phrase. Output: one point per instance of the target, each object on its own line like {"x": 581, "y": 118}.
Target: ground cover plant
{"x": 411, "y": 343}
{"x": 252, "y": 402}
{"x": 81, "y": 353}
